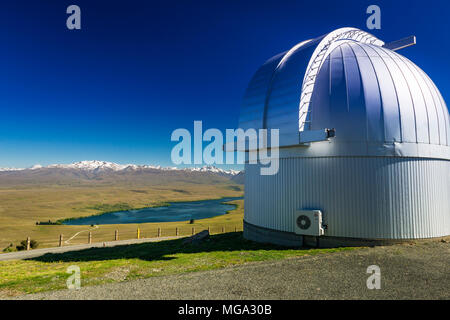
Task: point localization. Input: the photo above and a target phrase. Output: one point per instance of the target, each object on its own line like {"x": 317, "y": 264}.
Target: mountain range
{"x": 104, "y": 166}
{"x": 104, "y": 171}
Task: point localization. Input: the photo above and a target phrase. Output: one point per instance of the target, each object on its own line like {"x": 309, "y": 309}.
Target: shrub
{"x": 9, "y": 248}
{"x": 191, "y": 221}
{"x": 23, "y": 245}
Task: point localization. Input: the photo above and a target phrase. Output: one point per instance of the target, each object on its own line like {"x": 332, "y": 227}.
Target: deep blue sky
{"x": 116, "y": 89}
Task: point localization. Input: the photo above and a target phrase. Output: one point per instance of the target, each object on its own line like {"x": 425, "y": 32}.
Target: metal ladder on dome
{"x": 308, "y": 84}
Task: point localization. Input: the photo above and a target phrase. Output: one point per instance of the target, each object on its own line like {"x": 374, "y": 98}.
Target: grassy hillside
{"x": 128, "y": 262}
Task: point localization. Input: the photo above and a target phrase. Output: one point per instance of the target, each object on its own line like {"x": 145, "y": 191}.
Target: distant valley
{"x": 81, "y": 189}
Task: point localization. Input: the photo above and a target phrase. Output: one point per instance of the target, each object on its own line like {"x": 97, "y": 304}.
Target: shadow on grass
{"x": 152, "y": 251}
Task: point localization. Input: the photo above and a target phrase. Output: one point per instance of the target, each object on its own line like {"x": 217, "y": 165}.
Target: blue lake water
{"x": 176, "y": 211}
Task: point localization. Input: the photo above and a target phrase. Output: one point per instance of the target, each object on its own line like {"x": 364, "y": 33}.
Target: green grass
{"x": 128, "y": 262}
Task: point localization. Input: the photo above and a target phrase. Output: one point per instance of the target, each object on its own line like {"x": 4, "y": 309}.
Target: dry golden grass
{"x": 22, "y": 206}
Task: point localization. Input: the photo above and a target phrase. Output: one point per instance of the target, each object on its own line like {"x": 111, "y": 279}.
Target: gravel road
{"x": 419, "y": 271}
{"x": 20, "y": 255}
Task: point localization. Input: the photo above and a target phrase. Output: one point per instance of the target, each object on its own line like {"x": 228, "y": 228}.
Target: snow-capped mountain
{"x": 11, "y": 169}
{"x": 105, "y": 166}
{"x": 91, "y": 166}
{"x": 214, "y": 170}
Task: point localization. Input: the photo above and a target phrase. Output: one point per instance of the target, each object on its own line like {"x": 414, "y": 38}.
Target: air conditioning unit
{"x": 309, "y": 222}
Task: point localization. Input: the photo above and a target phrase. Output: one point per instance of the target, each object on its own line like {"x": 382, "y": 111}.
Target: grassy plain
{"x": 21, "y": 206}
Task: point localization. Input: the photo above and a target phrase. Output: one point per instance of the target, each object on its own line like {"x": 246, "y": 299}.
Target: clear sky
{"x": 116, "y": 89}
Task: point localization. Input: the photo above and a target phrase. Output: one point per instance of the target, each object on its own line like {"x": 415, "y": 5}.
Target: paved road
{"x": 407, "y": 272}
{"x": 40, "y": 252}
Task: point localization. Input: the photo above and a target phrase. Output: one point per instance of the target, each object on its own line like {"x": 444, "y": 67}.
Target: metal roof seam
{"x": 410, "y": 94}
{"x": 434, "y": 104}
{"x": 396, "y": 96}
{"x": 379, "y": 90}
{"x": 407, "y": 64}
{"x": 443, "y": 106}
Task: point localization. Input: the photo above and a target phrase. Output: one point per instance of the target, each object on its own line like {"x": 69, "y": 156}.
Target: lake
{"x": 176, "y": 211}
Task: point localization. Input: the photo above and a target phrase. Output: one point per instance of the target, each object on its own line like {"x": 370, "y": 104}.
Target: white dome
{"x": 379, "y": 102}
{"x": 385, "y": 173}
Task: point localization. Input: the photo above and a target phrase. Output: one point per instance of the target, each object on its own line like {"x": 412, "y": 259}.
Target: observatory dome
{"x": 374, "y": 96}
{"x": 385, "y": 174}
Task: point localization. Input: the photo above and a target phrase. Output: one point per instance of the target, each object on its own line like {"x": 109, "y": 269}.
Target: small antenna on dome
{"x": 400, "y": 44}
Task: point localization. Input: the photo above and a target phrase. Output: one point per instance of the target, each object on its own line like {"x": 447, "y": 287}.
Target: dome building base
{"x": 359, "y": 197}
{"x": 290, "y": 239}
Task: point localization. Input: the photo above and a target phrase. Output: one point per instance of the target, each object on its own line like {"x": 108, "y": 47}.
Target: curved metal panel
{"x": 418, "y": 103}
{"x": 373, "y": 95}
{"x": 443, "y": 108}
{"x": 440, "y": 112}
{"x": 284, "y": 93}
{"x": 388, "y": 94}
{"x": 326, "y": 45}
{"x": 360, "y": 197}
{"x": 254, "y": 102}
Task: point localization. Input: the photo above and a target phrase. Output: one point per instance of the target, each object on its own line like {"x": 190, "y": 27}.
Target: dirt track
{"x": 418, "y": 271}
{"x": 40, "y": 252}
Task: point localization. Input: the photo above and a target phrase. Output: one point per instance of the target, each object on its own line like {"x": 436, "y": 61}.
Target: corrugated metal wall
{"x": 360, "y": 197}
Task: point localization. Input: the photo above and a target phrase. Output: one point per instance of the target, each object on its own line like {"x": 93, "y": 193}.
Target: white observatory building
{"x": 364, "y": 145}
